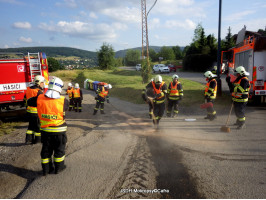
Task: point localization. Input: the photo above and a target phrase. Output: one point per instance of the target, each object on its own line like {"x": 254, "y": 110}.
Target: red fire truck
{"x": 17, "y": 71}
{"x": 249, "y": 52}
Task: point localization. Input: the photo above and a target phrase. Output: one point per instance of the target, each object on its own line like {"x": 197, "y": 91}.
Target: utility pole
{"x": 219, "y": 82}
{"x": 145, "y": 39}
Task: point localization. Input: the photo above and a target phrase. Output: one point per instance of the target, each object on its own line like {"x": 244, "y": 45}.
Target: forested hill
{"x": 122, "y": 53}
{"x": 67, "y": 51}
{"x": 55, "y": 51}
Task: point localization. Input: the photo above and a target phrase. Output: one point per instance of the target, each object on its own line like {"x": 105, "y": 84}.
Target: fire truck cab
{"x": 249, "y": 52}
{"x": 17, "y": 71}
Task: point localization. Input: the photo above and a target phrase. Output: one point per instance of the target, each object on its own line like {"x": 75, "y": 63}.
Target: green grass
{"x": 127, "y": 85}
{"x": 66, "y": 75}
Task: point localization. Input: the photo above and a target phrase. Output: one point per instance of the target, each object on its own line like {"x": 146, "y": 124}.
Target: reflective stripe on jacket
{"x": 211, "y": 92}
{"x": 160, "y": 99}
{"x": 51, "y": 113}
{"x": 29, "y": 94}
{"x": 69, "y": 92}
{"x": 76, "y": 93}
{"x": 240, "y": 94}
{"x": 174, "y": 91}
{"x": 103, "y": 93}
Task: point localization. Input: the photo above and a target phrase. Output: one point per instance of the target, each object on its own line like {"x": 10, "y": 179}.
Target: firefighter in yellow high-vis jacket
{"x": 174, "y": 94}
{"x": 51, "y": 108}
{"x": 240, "y": 91}
{"x": 33, "y": 134}
{"x": 77, "y": 97}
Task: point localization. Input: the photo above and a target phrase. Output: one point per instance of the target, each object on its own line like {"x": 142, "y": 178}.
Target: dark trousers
{"x": 211, "y": 113}
{"x": 99, "y": 105}
{"x": 150, "y": 109}
{"x": 158, "y": 111}
{"x": 239, "y": 108}
{"x": 53, "y": 145}
{"x": 171, "y": 104}
{"x": 33, "y": 133}
{"x": 71, "y": 104}
{"x": 77, "y": 104}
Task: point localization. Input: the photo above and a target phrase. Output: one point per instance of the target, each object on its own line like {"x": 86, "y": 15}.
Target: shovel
{"x": 226, "y": 128}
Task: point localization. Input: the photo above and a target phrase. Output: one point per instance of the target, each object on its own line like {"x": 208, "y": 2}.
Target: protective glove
{"x": 95, "y": 98}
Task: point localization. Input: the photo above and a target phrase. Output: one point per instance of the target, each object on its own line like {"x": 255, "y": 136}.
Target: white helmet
{"x": 175, "y": 76}
{"x": 69, "y": 84}
{"x": 56, "y": 84}
{"x": 109, "y": 86}
{"x": 242, "y": 71}
{"x": 209, "y": 74}
{"x": 158, "y": 79}
{"x": 76, "y": 85}
{"x": 39, "y": 79}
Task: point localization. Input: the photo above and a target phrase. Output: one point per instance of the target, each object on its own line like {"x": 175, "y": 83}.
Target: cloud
{"x": 154, "y": 23}
{"x": 179, "y": 7}
{"x": 67, "y": 3}
{"x": 22, "y": 25}
{"x": 252, "y": 25}
{"x": 84, "y": 30}
{"x": 239, "y": 15}
{"x": 93, "y": 15}
{"x": 15, "y": 2}
{"x": 123, "y": 14}
{"x": 187, "y": 24}
{"x": 26, "y": 40}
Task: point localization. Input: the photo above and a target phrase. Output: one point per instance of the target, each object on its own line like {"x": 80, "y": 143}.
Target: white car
{"x": 138, "y": 67}
{"x": 161, "y": 68}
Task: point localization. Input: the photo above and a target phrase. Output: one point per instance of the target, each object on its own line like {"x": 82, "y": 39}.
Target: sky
{"x": 88, "y": 24}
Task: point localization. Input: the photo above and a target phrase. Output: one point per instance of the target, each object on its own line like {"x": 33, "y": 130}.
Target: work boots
{"x": 51, "y": 167}
{"x": 29, "y": 139}
{"x": 102, "y": 112}
{"x": 212, "y": 117}
{"x": 48, "y": 168}
{"x": 37, "y": 139}
{"x": 208, "y": 117}
{"x": 45, "y": 169}
{"x": 237, "y": 123}
{"x": 59, "y": 167}
{"x": 95, "y": 112}
{"x": 240, "y": 124}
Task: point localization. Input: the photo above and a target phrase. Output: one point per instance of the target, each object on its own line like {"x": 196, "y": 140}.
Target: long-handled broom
{"x": 226, "y": 128}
